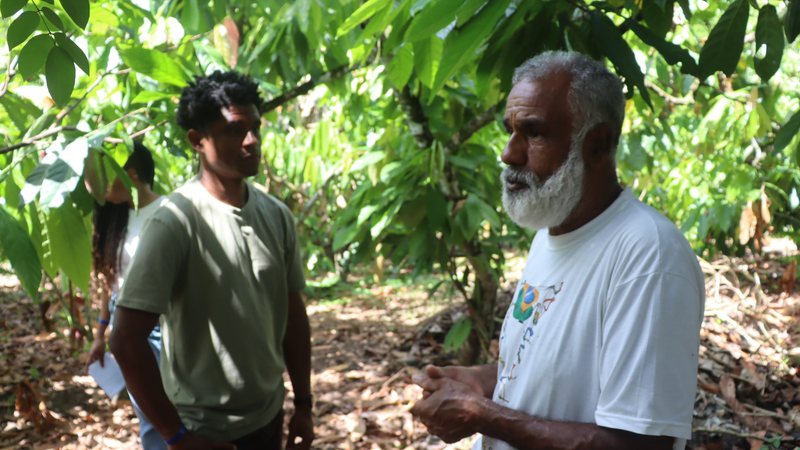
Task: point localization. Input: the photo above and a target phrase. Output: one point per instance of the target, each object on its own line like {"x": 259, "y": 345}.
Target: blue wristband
{"x": 178, "y": 436}
{"x": 103, "y": 321}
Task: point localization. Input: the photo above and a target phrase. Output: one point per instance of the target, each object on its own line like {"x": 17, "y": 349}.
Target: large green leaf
{"x": 74, "y": 51}
{"x": 769, "y": 34}
{"x": 462, "y": 44}
{"x": 611, "y": 43}
{"x": 400, "y": 67}
{"x": 34, "y": 54}
{"x": 52, "y": 17}
{"x": 672, "y": 53}
{"x": 9, "y": 7}
{"x": 19, "y": 250}
{"x": 155, "y": 64}
{"x": 725, "y": 43}
{"x": 431, "y": 19}
{"x": 70, "y": 244}
{"x": 791, "y": 21}
{"x": 364, "y": 12}
{"x": 458, "y": 334}
{"x": 787, "y": 132}
{"x": 57, "y": 174}
{"x": 196, "y": 18}
{"x": 21, "y": 28}
{"x": 427, "y": 55}
{"x": 77, "y": 10}
{"x": 60, "y": 75}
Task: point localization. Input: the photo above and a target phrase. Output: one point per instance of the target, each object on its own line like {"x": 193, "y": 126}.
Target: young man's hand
{"x": 97, "y": 352}
{"x": 301, "y": 426}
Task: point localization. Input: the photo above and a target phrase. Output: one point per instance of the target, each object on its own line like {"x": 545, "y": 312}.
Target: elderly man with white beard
{"x": 598, "y": 349}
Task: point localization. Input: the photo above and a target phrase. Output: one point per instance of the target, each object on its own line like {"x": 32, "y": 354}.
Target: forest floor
{"x": 369, "y": 338}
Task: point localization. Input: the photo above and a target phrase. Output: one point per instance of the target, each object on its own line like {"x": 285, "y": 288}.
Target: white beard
{"x": 546, "y": 205}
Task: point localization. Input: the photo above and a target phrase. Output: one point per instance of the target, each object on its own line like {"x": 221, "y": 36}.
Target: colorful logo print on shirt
{"x": 534, "y": 301}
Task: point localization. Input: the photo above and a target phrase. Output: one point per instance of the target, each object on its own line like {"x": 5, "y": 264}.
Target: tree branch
{"x": 417, "y": 121}
{"x": 472, "y": 127}
{"x": 305, "y": 87}
{"x": 9, "y": 75}
{"x": 34, "y": 139}
{"x": 141, "y": 132}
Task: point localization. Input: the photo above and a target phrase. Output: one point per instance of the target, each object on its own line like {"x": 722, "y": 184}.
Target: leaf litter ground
{"x": 369, "y": 340}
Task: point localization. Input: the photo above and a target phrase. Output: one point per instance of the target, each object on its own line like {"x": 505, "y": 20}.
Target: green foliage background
{"x": 381, "y": 128}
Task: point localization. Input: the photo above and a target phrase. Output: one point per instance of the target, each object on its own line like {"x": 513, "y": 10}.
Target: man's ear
{"x": 599, "y": 142}
{"x": 195, "y": 137}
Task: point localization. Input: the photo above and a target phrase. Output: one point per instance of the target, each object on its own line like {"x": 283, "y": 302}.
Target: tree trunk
{"x": 481, "y": 307}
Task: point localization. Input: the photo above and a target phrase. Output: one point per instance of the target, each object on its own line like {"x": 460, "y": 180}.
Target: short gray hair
{"x": 595, "y": 94}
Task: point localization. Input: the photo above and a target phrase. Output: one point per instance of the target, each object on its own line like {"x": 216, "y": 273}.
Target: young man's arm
{"x": 455, "y": 410}
{"x": 139, "y": 367}
{"x": 297, "y": 355}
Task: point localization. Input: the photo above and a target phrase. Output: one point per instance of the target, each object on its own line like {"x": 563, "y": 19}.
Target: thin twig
{"x": 9, "y": 75}
{"x": 135, "y": 135}
{"x": 32, "y": 140}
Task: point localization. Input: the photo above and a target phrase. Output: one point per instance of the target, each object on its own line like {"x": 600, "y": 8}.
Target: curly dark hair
{"x": 202, "y": 100}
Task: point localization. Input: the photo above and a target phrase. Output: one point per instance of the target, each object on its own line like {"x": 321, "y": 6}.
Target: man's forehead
{"x": 233, "y": 112}
{"x": 541, "y": 94}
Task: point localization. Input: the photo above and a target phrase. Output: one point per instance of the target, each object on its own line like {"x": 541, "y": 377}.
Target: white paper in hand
{"x": 109, "y": 378}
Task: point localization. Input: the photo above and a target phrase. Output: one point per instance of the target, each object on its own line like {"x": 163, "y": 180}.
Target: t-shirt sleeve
{"x": 154, "y": 269}
{"x": 295, "y": 279}
{"x": 648, "y": 361}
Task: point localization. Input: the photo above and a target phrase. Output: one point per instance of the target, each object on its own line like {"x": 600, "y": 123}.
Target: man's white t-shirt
{"x": 136, "y": 221}
{"x": 604, "y": 327}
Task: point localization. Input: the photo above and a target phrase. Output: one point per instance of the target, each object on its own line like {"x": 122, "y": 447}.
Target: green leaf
{"x": 611, "y": 43}
{"x": 344, "y": 236}
{"x": 657, "y": 17}
{"x": 21, "y": 28}
{"x": 672, "y": 53}
{"x": 466, "y": 10}
{"x": 10, "y": 7}
{"x": 150, "y": 96}
{"x": 60, "y": 75}
{"x": 95, "y": 176}
{"x": 70, "y": 244}
{"x": 427, "y": 54}
{"x": 787, "y": 132}
{"x": 768, "y": 33}
{"x": 458, "y": 334}
{"x": 791, "y": 22}
{"x": 52, "y": 17}
{"x": 77, "y": 10}
{"x": 363, "y": 13}
{"x": 57, "y": 174}
{"x": 400, "y": 67}
{"x": 74, "y": 51}
{"x": 155, "y": 64}
{"x": 34, "y": 54}
{"x": 462, "y": 44}
{"x": 19, "y": 250}
{"x": 196, "y": 18}
{"x": 431, "y": 19}
{"x": 725, "y": 43}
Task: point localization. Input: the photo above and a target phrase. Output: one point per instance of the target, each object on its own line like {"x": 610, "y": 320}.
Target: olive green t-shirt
{"x": 220, "y": 277}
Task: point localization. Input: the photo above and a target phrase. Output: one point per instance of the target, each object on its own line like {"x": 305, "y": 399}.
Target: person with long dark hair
{"x": 117, "y": 226}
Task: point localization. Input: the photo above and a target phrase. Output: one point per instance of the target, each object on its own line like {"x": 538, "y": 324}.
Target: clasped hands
{"x": 452, "y": 402}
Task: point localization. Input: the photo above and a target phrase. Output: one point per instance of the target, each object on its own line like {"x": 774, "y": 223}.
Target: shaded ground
{"x": 369, "y": 340}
